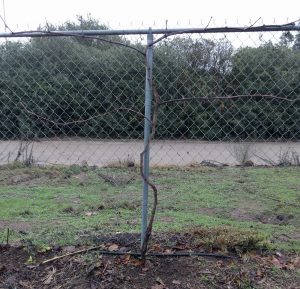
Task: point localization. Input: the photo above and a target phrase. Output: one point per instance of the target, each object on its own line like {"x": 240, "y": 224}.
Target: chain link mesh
{"x": 225, "y": 99}
{"x": 235, "y": 86}
{"x": 78, "y": 100}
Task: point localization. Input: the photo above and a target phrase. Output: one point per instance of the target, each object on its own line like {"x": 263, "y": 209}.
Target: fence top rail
{"x": 263, "y": 28}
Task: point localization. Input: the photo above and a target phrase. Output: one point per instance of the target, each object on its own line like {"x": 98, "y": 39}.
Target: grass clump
{"x": 229, "y": 239}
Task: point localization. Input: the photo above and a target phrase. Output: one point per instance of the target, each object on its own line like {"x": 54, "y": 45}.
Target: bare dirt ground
{"x": 22, "y": 267}
{"x": 167, "y": 152}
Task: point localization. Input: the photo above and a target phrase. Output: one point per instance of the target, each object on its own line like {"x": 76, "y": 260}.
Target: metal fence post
{"x": 147, "y": 129}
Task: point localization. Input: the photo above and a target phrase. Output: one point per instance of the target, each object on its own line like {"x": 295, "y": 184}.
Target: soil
{"x": 15, "y": 226}
{"x": 277, "y": 219}
{"x": 21, "y": 267}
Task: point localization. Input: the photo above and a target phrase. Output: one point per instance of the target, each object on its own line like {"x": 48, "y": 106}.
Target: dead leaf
{"x": 180, "y": 247}
{"x": 49, "y": 277}
{"x": 292, "y": 264}
{"x": 136, "y": 262}
{"x": 127, "y": 259}
{"x": 113, "y": 247}
{"x": 94, "y": 268}
{"x": 159, "y": 281}
{"x": 276, "y": 262}
{"x": 295, "y": 262}
{"x": 156, "y": 248}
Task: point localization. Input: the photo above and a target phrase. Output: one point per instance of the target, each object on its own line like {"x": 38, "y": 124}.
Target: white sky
{"x": 28, "y": 14}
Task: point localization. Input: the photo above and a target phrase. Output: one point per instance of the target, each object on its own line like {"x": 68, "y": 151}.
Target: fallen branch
{"x": 70, "y": 254}
{"x": 137, "y": 255}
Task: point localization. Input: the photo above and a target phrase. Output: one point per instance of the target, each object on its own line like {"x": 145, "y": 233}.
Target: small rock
{"x": 123, "y": 249}
{"x": 113, "y": 247}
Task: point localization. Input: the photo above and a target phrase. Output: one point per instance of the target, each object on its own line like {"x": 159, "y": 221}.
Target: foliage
{"x": 62, "y": 80}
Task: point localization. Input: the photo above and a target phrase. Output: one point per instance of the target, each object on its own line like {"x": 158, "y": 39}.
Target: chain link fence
{"x": 226, "y": 98}
{"x": 81, "y": 100}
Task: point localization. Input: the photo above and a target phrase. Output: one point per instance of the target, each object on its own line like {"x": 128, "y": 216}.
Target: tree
{"x": 296, "y": 45}
{"x": 267, "y": 70}
{"x": 70, "y": 78}
{"x": 190, "y": 67}
{"x": 286, "y": 39}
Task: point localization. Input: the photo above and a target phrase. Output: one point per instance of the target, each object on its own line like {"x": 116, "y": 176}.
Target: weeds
{"x": 229, "y": 239}
{"x": 284, "y": 159}
{"x": 25, "y": 154}
{"x": 128, "y": 162}
{"x": 242, "y": 152}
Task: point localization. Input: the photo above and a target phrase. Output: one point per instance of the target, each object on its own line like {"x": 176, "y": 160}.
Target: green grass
{"x": 67, "y": 205}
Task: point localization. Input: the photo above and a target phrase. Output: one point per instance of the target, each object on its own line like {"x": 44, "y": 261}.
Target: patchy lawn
{"x": 250, "y": 213}
{"x": 70, "y": 205}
